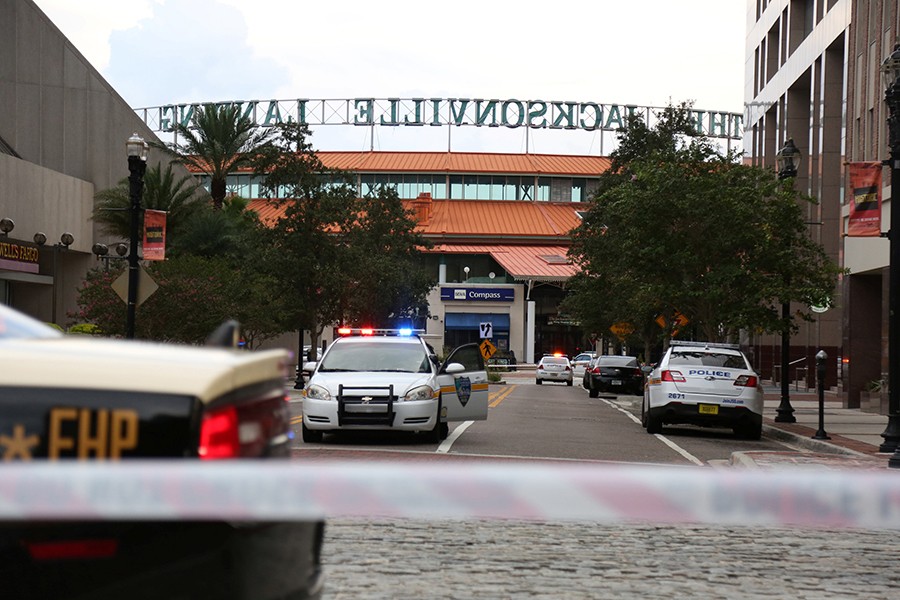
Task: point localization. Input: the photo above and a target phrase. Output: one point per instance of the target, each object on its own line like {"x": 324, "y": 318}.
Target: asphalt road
{"x": 398, "y": 558}
{"x": 552, "y": 421}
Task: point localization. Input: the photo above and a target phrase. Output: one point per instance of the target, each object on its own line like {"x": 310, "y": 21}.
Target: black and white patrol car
{"x": 704, "y": 384}
{"x": 76, "y": 398}
{"x": 391, "y": 380}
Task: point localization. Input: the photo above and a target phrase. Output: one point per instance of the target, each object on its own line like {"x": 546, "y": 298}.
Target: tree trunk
{"x": 217, "y": 191}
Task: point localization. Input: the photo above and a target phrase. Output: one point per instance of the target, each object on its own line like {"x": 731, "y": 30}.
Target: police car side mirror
{"x": 647, "y": 369}
{"x": 227, "y": 335}
{"x": 454, "y": 368}
{"x": 309, "y": 367}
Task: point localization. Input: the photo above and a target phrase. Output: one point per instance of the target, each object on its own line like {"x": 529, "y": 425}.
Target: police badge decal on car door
{"x": 463, "y": 389}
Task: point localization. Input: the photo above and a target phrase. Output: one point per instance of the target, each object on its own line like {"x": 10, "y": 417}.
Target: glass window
{"x": 456, "y": 187}
{"x": 439, "y": 189}
{"x": 708, "y": 359}
{"x": 526, "y": 190}
{"x": 543, "y": 191}
{"x": 377, "y": 356}
{"x": 578, "y": 186}
{"x": 470, "y": 191}
{"x": 469, "y": 356}
{"x": 484, "y": 187}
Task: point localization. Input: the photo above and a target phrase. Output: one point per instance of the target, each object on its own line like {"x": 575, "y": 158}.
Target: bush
{"x": 85, "y": 329}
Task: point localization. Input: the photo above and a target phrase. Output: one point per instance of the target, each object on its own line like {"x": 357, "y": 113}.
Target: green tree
{"x": 218, "y": 141}
{"x": 681, "y": 228}
{"x": 181, "y": 198}
{"x": 388, "y": 281}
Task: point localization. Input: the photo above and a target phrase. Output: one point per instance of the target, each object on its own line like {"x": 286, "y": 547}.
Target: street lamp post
{"x": 787, "y": 160}
{"x": 137, "y": 166}
{"x": 890, "y": 70}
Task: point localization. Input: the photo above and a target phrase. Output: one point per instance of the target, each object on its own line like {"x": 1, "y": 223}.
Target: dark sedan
{"x": 614, "y": 374}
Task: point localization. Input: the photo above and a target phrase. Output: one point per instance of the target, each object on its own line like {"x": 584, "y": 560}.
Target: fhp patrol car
{"x": 704, "y": 384}
{"x": 391, "y": 379}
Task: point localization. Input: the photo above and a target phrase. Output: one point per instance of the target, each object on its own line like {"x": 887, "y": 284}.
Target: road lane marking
{"x": 501, "y": 396}
{"x": 687, "y": 455}
{"x": 444, "y": 448}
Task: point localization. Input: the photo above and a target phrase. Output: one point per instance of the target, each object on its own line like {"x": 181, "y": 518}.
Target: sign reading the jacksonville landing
{"x": 418, "y": 112}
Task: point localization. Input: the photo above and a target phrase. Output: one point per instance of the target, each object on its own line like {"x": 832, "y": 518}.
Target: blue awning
{"x": 473, "y": 320}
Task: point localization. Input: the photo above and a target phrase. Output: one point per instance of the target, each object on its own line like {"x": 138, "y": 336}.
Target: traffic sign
{"x": 621, "y": 329}
{"x": 487, "y": 349}
{"x": 145, "y": 288}
{"x": 486, "y": 330}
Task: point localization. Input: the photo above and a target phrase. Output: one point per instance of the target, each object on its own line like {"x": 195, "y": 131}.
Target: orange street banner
{"x": 865, "y": 202}
{"x": 154, "y": 235}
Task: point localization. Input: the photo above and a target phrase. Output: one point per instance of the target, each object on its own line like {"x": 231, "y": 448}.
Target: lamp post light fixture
{"x": 890, "y": 72}
{"x": 136, "y": 148}
{"x": 787, "y": 161}
{"x": 65, "y": 240}
{"x": 7, "y": 225}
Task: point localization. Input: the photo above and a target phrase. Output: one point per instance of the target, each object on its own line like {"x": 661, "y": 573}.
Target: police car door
{"x": 465, "y": 394}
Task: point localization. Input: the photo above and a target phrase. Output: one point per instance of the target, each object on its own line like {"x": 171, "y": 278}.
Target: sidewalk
{"x": 854, "y": 435}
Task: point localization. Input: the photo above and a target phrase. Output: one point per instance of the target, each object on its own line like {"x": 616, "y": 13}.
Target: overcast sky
{"x": 638, "y": 52}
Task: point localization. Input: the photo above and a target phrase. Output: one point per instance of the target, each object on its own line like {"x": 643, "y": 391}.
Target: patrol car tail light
{"x": 674, "y": 376}
{"x": 219, "y": 435}
{"x": 72, "y": 549}
{"x": 746, "y": 381}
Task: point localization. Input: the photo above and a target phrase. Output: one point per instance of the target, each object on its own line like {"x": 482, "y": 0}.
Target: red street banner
{"x": 154, "y": 235}
{"x": 865, "y": 203}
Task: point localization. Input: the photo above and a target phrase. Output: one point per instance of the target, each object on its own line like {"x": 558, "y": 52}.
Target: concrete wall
{"x": 67, "y": 130}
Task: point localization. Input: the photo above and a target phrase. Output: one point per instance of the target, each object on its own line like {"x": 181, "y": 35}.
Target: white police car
{"x": 704, "y": 384}
{"x": 391, "y": 380}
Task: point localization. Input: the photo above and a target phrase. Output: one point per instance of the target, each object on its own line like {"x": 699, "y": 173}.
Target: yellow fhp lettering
{"x": 92, "y": 433}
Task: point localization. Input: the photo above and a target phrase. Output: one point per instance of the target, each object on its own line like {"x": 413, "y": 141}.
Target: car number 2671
{"x": 675, "y": 396}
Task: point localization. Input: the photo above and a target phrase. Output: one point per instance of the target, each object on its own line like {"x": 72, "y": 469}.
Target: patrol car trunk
{"x": 710, "y": 381}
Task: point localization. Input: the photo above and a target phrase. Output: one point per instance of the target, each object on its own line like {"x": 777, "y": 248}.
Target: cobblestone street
{"x": 442, "y": 559}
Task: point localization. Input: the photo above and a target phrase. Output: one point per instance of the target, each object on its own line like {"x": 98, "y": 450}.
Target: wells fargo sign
{"x": 18, "y": 257}
{"x": 416, "y": 112}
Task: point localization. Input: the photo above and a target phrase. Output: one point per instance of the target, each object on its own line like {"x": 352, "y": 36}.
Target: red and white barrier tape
{"x": 248, "y": 490}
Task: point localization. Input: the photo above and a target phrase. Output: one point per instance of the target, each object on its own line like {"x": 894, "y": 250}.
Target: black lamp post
{"x": 787, "y": 160}
{"x": 890, "y": 71}
{"x": 137, "y": 165}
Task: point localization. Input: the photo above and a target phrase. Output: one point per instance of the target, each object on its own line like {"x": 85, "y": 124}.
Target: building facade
{"x": 796, "y": 87}
{"x": 500, "y": 226}
{"x": 62, "y": 138}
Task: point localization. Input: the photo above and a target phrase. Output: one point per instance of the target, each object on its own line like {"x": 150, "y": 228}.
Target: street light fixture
{"x": 787, "y": 161}
{"x": 136, "y": 148}
{"x": 890, "y": 71}
{"x": 65, "y": 240}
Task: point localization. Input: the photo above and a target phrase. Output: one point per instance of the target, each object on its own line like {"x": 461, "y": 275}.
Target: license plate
{"x": 617, "y": 382}
{"x": 708, "y": 409}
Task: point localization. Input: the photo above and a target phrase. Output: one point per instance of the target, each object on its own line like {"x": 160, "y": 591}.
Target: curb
{"x": 808, "y": 443}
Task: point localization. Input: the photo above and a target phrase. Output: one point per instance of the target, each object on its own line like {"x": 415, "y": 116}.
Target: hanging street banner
{"x": 865, "y": 199}
{"x": 154, "y": 235}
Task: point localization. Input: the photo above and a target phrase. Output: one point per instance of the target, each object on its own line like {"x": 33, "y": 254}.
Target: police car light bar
{"x": 706, "y": 345}
{"x": 405, "y": 331}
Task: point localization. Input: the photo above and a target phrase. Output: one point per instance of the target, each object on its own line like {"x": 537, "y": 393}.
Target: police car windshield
{"x": 376, "y": 356}
{"x": 707, "y": 359}
{"x": 14, "y": 325}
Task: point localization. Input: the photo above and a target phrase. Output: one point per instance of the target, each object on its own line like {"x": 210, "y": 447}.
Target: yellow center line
{"x": 296, "y": 420}
{"x": 498, "y": 398}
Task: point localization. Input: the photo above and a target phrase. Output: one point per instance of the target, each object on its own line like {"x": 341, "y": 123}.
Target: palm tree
{"x": 217, "y": 142}
{"x": 181, "y": 198}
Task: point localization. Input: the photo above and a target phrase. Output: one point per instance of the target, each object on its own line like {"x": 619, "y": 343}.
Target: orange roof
{"x": 462, "y": 162}
{"x": 550, "y": 222}
{"x": 541, "y": 263}
{"x": 465, "y": 162}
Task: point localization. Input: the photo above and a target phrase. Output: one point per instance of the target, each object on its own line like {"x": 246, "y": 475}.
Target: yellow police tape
{"x": 542, "y": 491}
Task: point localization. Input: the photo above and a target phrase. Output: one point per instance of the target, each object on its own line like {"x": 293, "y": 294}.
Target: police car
{"x": 391, "y": 380}
{"x": 72, "y": 398}
{"x": 704, "y": 384}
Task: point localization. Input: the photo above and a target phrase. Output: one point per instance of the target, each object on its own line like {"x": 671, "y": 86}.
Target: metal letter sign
{"x": 486, "y": 330}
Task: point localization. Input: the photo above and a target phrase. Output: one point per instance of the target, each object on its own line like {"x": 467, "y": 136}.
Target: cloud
{"x": 189, "y": 51}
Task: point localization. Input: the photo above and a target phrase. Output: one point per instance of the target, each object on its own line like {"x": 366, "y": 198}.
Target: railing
{"x": 776, "y": 373}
